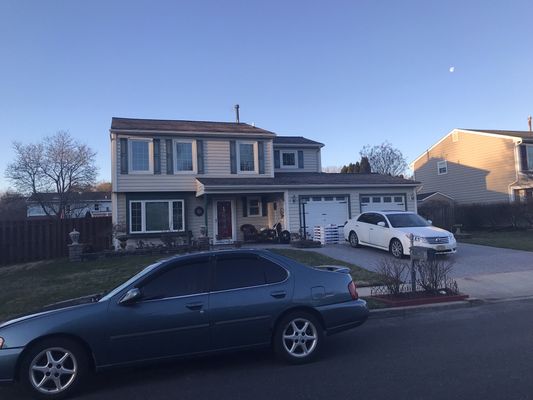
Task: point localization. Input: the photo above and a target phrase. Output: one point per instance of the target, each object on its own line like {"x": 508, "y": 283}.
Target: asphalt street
{"x": 483, "y": 352}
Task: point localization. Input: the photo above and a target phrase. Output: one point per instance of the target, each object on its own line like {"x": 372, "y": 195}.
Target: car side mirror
{"x": 130, "y": 297}
{"x": 381, "y": 223}
{"x": 430, "y": 222}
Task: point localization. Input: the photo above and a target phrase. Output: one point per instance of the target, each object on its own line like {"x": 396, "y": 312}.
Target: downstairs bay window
{"x": 156, "y": 216}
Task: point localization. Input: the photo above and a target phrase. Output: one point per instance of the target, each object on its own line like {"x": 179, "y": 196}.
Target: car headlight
{"x": 420, "y": 239}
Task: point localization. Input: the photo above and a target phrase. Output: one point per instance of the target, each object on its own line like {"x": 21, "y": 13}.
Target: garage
{"x": 323, "y": 210}
{"x": 383, "y": 202}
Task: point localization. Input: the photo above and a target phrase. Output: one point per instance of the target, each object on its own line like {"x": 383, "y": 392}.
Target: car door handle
{"x": 195, "y": 306}
{"x": 280, "y": 294}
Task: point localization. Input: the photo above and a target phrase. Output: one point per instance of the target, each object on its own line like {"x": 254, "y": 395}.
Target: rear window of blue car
{"x": 238, "y": 271}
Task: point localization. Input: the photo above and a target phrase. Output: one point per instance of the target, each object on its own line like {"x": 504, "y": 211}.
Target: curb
{"x": 407, "y": 310}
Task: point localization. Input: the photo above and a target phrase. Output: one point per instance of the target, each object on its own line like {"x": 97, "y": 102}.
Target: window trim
{"x": 238, "y": 156}
{"x": 442, "y": 164}
{"x": 143, "y": 215}
{"x": 282, "y": 164}
{"x": 193, "y": 155}
{"x": 259, "y": 205}
{"x": 150, "y": 156}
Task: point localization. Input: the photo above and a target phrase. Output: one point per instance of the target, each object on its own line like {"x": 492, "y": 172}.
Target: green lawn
{"x": 26, "y": 288}
{"x": 518, "y": 240}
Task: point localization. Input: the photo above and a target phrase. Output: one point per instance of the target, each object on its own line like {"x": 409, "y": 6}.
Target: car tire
{"x": 396, "y": 248}
{"x": 54, "y": 368}
{"x": 353, "y": 239}
{"x": 298, "y": 338}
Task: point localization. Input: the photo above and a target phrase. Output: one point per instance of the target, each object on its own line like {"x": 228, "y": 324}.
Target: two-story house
{"x": 213, "y": 177}
{"x": 478, "y": 166}
{"x": 83, "y": 204}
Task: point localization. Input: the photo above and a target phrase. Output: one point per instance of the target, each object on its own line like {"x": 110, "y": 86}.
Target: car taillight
{"x": 353, "y": 290}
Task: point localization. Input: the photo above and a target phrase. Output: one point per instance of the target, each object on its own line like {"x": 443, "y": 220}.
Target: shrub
{"x": 434, "y": 275}
{"x": 392, "y": 273}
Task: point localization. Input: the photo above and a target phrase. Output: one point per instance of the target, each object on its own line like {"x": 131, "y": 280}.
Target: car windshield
{"x": 406, "y": 220}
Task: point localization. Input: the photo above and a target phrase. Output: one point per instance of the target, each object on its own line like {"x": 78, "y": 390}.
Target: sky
{"x": 344, "y": 73}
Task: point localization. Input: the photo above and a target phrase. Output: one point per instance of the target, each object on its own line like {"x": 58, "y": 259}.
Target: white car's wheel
{"x": 396, "y": 248}
{"x": 353, "y": 239}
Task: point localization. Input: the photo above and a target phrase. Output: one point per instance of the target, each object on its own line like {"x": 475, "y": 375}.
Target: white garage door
{"x": 325, "y": 210}
{"x": 379, "y": 202}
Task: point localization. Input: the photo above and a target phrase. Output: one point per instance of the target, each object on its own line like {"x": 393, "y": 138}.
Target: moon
{"x": 451, "y": 69}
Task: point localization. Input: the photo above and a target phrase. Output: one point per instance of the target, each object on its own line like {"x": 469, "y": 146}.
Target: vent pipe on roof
{"x": 237, "y": 113}
{"x": 529, "y": 122}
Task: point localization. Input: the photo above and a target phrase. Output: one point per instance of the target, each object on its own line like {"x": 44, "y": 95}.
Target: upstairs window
{"x": 140, "y": 156}
{"x": 288, "y": 159}
{"x": 529, "y": 158}
{"x": 246, "y": 157}
{"x": 442, "y": 167}
{"x": 184, "y": 156}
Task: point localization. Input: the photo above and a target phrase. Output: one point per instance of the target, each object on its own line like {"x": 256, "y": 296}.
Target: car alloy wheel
{"x": 53, "y": 368}
{"x": 354, "y": 240}
{"x": 298, "y": 337}
{"x": 396, "y": 248}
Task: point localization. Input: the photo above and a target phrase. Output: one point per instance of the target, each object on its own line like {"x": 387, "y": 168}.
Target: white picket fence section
{"x": 329, "y": 234}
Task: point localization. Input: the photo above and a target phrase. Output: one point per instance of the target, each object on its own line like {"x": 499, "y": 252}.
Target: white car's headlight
{"x": 420, "y": 239}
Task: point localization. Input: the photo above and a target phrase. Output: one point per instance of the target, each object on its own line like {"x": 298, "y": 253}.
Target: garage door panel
{"x": 325, "y": 210}
{"x": 383, "y": 202}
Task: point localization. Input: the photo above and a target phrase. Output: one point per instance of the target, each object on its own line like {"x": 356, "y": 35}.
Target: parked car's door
{"x": 171, "y": 318}
{"x": 362, "y": 227}
{"x": 248, "y": 292}
{"x": 379, "y": 235}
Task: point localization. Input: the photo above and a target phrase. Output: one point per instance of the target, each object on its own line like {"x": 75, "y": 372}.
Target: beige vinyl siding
{"x": 480, "y": 168}
{"x": 258, "y": 221}
{"x": 312, "y": 162}
{"x": 216, "y": 163}
{"x": 294, "y": 209}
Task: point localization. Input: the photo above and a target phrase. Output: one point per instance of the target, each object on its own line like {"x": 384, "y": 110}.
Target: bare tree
{"x": 58, "y": 164}
{"x": 385, "y": 159}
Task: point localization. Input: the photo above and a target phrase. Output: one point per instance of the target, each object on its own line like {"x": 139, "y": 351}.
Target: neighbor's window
{"x": 288, "y": 159}
{"x": 442, "y": 167}
{"x": 529, "y": 158}
{"x": 184, "y": 156}
{"x": 156, "y": 216}
{"x": 140, "y": 155}
{"x": 254, "y": 206}
{"x": 246, "y": 157}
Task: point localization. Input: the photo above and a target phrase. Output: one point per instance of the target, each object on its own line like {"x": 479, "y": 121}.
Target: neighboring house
{"x": 214, "y": 177}
{"x": 478, "y": 166}
{"x": 84, "y": 204}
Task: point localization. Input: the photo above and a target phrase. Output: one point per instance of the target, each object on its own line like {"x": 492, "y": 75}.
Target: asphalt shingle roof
{"x": 520, "y": 134}
{"x": 281, "y": 140}
{"x": 310, "y": 178}
{"x": 133, "y": 124}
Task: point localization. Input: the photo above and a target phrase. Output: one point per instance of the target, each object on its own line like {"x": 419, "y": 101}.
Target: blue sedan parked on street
{"x": 182, "y": 306}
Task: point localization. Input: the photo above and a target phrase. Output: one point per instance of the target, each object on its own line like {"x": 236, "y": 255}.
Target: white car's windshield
{"x": 406, "y": 220}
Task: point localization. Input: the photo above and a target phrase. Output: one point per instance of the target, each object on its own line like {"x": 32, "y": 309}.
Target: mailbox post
{"x": 417, "y": 254}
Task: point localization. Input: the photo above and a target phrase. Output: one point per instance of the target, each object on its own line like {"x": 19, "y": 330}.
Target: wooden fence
{"x": 32, "y": 240}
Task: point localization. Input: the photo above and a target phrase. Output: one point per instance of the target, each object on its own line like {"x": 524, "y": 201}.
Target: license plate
{"x": 441, "y": 247}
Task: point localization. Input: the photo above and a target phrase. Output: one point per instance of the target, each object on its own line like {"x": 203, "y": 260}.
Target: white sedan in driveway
{"x": 392, "y": 230}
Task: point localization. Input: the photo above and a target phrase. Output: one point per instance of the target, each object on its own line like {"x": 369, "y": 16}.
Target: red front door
{"x": 224, "y": 224}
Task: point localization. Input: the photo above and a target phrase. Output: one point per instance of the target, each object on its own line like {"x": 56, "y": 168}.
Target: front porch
{"x": 228, "y": 217}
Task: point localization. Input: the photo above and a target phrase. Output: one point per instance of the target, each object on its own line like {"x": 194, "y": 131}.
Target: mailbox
{"x": 419, "y": 253}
